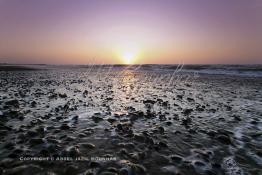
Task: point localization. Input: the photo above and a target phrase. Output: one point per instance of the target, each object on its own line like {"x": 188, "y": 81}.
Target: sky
{"x": 131, "y": 31}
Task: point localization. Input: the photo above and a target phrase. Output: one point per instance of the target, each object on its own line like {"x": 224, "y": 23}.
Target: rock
{"x": 111, "y": 120}
{"x": 88, "y": 145}
{"x": 32, "y": 133}
{"x": 199, "y": 163}
{"x": 216, "y": 165}
{"x": 112, "y": 169}
{"x": 179, "y": 96}
{"x": 62, "y": 95}
{"x": 82, "y": 135}
{"x": 169, "y": 170}
{"x": 109, "y": 99}
{"x": 237, "y": 117}
{"x": 165, "y": 103}
{"x": 139, "y": 137}
{"x": 52, "y": 148}
{"x": 254, "y": 122}
{"x": 176, "y": 158}
{"x": 149, "y": 115}
{"x": 138, "y": 169}
{"x": 64, "y": 127}
{"x": 33, "y": 104}
{"x": 133, "y": 117}
{"x": 130, "y": 109}
{"x": 168, "y": 123}
{"x": 124, "y": 171}
{"x": 85, "y": 93}
{"x": 93, "y": 164}
{"x": 186, "y": 121}
{"x": 73, "y": 151}
{"x": 36, "y": 141}
{"x": 97, "y": 119}
{"x": 123, "y": 151}
{"x": 161, "y": 129}
{"x": 211, "y": 133}
{"x": 44, "y": 152}
{"x": 162, "y": 117}
{"x": 221, "y": 119}
{"x": 40, "y": 130}
{"x": 149, "y": 101}
{"x": 71, "y": 169}
{"x": 228, "y": 108}
{"x": 75, "y": 118}
{"x": 163, "y": 144}
{"x": 134, "y": 156}
{"x": 69, "y": 138}
{"x": 190, "y": 99}
{"x": 160, "y": 159}
{"x": 224, "y": 139}
{"x": 59, "y": 118}
{"x": 14, "y": 103}
{"x": 119, "y": 126}
{"x": 187, "y": 111}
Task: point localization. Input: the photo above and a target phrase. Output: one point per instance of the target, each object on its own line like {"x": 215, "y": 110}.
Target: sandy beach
{"x": 82, "y": 120}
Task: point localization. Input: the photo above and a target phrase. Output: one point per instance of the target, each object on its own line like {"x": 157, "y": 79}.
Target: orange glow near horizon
{"x": 131, "y": 32}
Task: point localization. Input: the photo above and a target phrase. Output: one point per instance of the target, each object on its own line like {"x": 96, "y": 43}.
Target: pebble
{"x": 14, "y": 103}
{"x": 211, "y": 133}
{"x": 186, "y": 121}
{"x": 162, "y": 117}
{"x": 237, "y": 117}
{"x": 73, "y": 151}
{"x": 62, "y": 95}
{"x": 71, "y": 169}
{"x": 139, "y": 137}
{"x": 75, "y": 117}
{"x": 69, "y": 138}
{"x": 176, "y": 158}
{"x": 124, "y": 171}
{"x": 199, "y": 163}
{"x": 64, "y": 127}
{"x": 160, "y": 159}
{"x": 224, "y": 139}
{"x": 93, "y": 164}
{"x": 161, "y": 129}
{"x": 33, "y": 104}
{"x": 88, "y": 145}
{"x": 32, "y": 133}
{"x": 119, "y": 126}
{"x": 187, "y": 111}
{"x": 163, "y": 144}
{"x": 36, "y": 141}
{"x": 169, "y": 170}
{"x": 112, "y": 169}
{"x": 97, "y": 119}
{"x": 149, "y": 101}
{"x": 111, "y": 120}
{"x": 138, "y": 169}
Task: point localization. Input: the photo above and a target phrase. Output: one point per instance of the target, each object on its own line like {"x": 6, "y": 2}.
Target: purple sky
{"x": 149, "y": 31}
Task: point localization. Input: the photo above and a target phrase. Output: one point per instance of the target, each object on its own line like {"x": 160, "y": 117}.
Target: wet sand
{"x": 129, "y": 122}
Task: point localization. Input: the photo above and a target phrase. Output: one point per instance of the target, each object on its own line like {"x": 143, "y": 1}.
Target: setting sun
{"x": 128, "y": 58}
